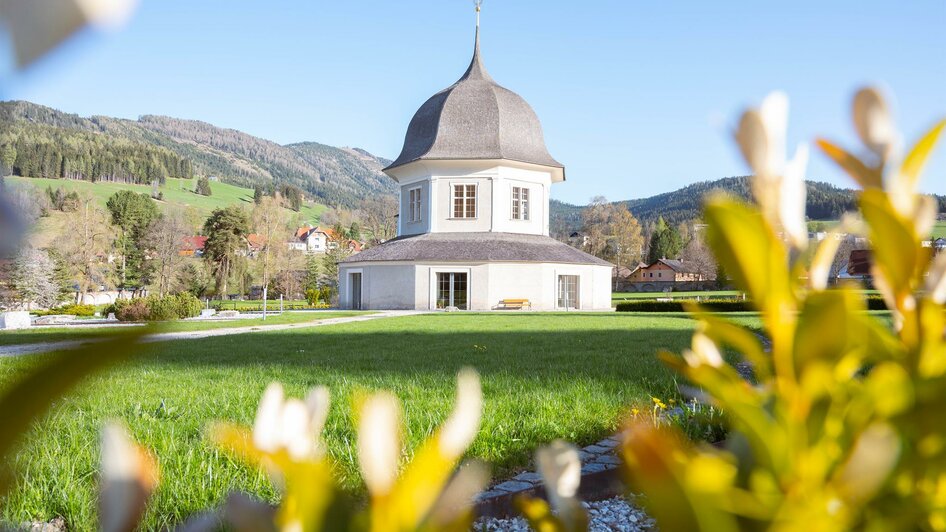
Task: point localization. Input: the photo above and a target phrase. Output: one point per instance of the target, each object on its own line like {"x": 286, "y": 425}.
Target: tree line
{"x": 43, "y": 151}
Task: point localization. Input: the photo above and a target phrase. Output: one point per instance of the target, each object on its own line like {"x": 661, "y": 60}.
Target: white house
{"x": 311, "y": 240}
{"x": 473, "y": 225}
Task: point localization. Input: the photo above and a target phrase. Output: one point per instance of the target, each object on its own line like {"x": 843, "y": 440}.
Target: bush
{"x": 130, "y": 309}
{"x": 326, "y": 293}
{"x": 73, "y": 309}
{"x": 188, "y": 305}
{"x": 313, "y": 296}
{"x": 156, "y": 308}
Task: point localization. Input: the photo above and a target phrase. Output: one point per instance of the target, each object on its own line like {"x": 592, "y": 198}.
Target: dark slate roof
{"x": 475, "y": 118}
{"x": 476, "y": 247}
{"x": 678, "y": 266}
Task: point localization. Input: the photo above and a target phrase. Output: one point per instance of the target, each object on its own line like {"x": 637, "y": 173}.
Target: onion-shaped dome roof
{"x": 475, "y": 118}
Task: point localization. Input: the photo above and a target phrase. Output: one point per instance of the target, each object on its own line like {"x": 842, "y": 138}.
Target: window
{"x": 567, "y": 291}
{"x": 520, "y": 203}
{"x": 464, "y": 201}
{"x": 414, "y": 204}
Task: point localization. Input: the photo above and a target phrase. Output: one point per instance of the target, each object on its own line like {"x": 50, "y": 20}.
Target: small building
{"x": 474, "y": 178}
{"x": 666, "y": 270}
{"x": 311, "y": 240}
{"x": 192, "y": 246}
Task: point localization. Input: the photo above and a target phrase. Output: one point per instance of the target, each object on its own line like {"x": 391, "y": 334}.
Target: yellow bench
{"x": 515, "y": 304}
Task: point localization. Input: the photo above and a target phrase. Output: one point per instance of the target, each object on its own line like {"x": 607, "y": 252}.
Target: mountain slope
{"x": 824, "y": 202}
{"x": 335, "y": 176}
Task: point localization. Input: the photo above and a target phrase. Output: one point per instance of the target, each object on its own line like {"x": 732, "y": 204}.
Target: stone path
{"x": 45, "y": 347}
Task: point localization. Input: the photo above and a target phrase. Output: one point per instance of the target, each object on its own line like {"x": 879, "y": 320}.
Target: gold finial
{"x": 478, "y": 4}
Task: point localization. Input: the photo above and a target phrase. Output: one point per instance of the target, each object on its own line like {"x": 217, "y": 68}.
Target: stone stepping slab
{"x": 599, "y": 480}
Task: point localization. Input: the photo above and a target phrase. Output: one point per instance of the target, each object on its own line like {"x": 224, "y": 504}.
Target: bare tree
{"x": 84, "y": 242}
{"x": 272, "y": 227}
{"x": 33, "y": 279}
{"x": 378, "y": 217}
{"x": 594, "y": 224}
{"x": 697, "y": 254}
{"x": 164, "y": 239}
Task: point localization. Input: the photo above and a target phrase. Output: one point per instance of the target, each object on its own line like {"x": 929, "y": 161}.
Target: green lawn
{"x": 939, "y": 230}
{"x": 178, "y": 192}
{"x": 253, "y": 303}
{"x": 53, "y": 334}
{"x": 545, "y": 376}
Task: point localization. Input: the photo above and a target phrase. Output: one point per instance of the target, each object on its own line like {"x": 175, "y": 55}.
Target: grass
{"x": 939, "y": 229}
{"x": 253, "y": 303}
{"x": 621, "y": 296}
{"x": 545, "y": 376}
{"x": 53, "y": 334}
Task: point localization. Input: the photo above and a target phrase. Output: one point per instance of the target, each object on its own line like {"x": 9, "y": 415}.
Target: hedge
{"x": 874, "y": 302}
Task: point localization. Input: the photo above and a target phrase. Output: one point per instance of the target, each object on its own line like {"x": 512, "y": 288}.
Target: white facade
{"x": 408, "y": 285}
{"x": 494, "y": 182}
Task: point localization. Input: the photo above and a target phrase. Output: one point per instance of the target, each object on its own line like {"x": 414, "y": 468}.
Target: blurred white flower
{"x": 703, "y": 351}
{"x": 560, "y": 468}
{"x": 471, "y": 478}
{"x": 464, "y": 422}
{"x": 129, "y": 476}
{"x": 291, "y": 424}
{"x": 379, "y": 442}
{"x": 936, "y": 280}
{"x": 778, "y": 185}
{"x": 874, "y": 123}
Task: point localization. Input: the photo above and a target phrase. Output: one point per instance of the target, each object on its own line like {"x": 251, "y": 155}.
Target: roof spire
{"x": 476, "y": 70}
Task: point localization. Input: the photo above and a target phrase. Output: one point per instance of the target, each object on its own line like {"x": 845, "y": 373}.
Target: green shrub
{"x": 188, "y": 305}
{"x": 161, "y": 308}
{"x": 874, "y": 302}
{"x": 156, "y": 308}
{"x": 326, "y": 293}
{"x": 313, "y": 296}
{"x": 72, "y": 309}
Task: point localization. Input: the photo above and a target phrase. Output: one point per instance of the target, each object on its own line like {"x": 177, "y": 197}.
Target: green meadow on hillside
{"x": 177, "y": 192}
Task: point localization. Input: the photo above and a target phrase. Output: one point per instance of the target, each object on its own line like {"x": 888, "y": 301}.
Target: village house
{"x": 310, "y": 240}
{"x": 474, "y": 178}
{"x": 192, "y": 246}
{"x": 665, "y": 270}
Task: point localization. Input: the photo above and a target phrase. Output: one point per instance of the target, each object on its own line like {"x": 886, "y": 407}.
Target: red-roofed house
{"x": 310, "y": 239}
{"x": 192, "y": 246}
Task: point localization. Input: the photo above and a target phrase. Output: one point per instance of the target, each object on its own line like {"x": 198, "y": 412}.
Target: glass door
{"x": 356, "y": 291}
{"x": 568, "y": 292}
{"x": 452, "y": 290}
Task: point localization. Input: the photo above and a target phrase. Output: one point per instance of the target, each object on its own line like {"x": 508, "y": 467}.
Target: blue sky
{"x": 636, "y": 97}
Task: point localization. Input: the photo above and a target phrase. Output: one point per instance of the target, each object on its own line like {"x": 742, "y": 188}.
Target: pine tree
{"x": 665, "y": 242}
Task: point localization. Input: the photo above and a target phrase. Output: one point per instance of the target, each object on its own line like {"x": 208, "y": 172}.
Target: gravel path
{"x": 606, "y": 515}
{"x": 46, "y": 347}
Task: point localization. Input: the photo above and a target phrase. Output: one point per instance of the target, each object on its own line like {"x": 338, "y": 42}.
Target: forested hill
{"x": 824, "y": 202}
{"x": 44, "y": 142}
